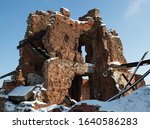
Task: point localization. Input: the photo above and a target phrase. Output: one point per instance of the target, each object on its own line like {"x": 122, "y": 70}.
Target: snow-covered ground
{"x": 138, "y": 101}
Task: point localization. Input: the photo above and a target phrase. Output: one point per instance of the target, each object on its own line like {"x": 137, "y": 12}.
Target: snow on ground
{"x": 22, "y": 107}
{"x": 3, "y": 96}
{"x": 138, "y": 101}
{"x": 52, "y": 107}
{"x": 9, "y": 107}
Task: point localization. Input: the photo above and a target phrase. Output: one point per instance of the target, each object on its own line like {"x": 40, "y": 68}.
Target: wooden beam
{"x": 8, "y": 74}
{"x": 32, "y": 38}
{"x": 44, "y": 54}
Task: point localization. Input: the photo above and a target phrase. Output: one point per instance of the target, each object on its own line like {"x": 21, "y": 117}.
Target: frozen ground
{"x": 138, "y": 101}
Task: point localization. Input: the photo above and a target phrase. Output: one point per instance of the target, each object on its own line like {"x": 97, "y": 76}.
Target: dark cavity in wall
{"x": 75, "y": 89}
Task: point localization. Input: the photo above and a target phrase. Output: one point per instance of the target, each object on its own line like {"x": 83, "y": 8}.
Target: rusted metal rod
{"x": 133, "y": 64}
{"x": 137, "y": 67}
{"x": 128, "y": 88}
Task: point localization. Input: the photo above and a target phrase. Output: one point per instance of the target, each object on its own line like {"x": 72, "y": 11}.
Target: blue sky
{"x": 129, "y": 17}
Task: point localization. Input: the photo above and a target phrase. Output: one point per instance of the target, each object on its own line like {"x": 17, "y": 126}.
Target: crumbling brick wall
{"x": 30, "y": 60}
{"x": 51, "y": 54}
{"x": 83, "y": 107}
{"x": 63, "y": 40}
{"x": 102, "y": 48}
{"x": 99, "y": 46}
{"x": 2, "y": 103}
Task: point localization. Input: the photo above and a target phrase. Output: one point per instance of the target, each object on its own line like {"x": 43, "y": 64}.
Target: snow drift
{"x": 138, "y": 101}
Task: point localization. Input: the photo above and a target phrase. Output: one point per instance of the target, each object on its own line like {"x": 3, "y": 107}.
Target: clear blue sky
{"x": 130, "y": 18}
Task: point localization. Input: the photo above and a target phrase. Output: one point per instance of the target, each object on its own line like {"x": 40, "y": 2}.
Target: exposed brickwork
{"x": 84, "y": 108}
{"x": 61, "y": 39}
{"x": 85, "y": 90}
{"x": 11, "y": 84}
{"x": 2, "y": 102}
{"x": 59, "y": 74}
{"x": 8, "y": 86}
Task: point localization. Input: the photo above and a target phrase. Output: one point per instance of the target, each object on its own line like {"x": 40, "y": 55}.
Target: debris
{"x": 137, "y": 67}
{"x": 21, "y": 93}
{"x": 34, "y": 79}
{"x": 70, "y": 102}
{"x": 127, "y": 89}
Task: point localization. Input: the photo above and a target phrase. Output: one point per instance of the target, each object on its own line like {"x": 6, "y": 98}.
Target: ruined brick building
{"x": 51, "y": 53}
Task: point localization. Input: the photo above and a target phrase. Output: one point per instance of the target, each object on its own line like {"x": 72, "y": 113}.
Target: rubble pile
{"x": 51, "y": 54}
